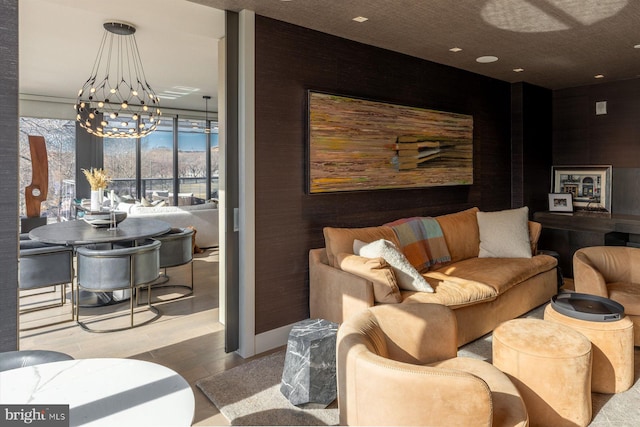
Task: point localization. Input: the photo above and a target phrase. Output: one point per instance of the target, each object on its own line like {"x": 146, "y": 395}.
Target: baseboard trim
{"x": 271, "y": 339}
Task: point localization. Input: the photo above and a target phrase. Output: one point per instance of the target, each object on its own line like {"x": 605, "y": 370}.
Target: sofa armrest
{"x": 535, "y": 228}
{"x": 334, "y": 294}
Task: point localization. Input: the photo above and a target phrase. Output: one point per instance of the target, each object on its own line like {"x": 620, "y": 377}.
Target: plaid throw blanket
{"x": 422, "y": 241}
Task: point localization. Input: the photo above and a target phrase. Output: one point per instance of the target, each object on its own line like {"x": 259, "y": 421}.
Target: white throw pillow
{"x": 504, "y": 234}
{"x": 407, "y": 276}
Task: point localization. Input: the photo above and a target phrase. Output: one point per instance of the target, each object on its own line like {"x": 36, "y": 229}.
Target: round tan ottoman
{"x": 550, "y": 365}
{"x": 611, "y": 347}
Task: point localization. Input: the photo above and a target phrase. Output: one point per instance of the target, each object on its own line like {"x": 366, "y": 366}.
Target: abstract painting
{"x": 358, "y": 144}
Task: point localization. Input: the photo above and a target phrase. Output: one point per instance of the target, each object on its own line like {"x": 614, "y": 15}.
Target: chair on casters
{"x": 176, "y": 250}
{"x": 108, "y": 270}
{"x": 41, "y": 266}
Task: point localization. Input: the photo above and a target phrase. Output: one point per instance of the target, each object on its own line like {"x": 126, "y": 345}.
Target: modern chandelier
{"x": 116, "y": 101}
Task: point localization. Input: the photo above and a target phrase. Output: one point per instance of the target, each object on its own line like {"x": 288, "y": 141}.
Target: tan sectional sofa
{"x": 483, "y": 292}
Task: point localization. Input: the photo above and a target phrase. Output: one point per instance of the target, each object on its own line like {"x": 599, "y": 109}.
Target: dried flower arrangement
{"x": 98, "y": 178}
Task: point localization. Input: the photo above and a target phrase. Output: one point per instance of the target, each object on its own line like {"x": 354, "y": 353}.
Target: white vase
{"x": 96, "y": 200}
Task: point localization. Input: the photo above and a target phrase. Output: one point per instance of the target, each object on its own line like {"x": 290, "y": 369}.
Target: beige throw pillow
{"x": 504, "y": 234}
{"x": 378, "y": 271}
{"x": 407, "y": 276}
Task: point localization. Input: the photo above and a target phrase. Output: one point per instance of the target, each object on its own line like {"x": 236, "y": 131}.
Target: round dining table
{"x": 79, "y": 232}
{"x": 103, "y": 392}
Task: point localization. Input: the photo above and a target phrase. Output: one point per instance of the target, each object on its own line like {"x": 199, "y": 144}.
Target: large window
{"x": 214, "y": 170}
{"x": 120, "y": 163}
{"x": 161, "y": 167}
{"x": 192, "y": 161}
{"x": 149, "y": 167}
{"x": 59, "y": 136}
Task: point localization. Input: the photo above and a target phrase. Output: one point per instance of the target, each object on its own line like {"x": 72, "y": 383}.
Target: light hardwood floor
{"x": 187, "y": 338}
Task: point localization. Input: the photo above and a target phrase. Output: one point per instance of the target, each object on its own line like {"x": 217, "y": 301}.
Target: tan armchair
{"x": 612, "y": 272}
{"x": 397, "y": 365}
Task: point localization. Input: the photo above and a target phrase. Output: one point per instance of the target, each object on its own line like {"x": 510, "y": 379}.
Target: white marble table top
{"x": 104, "y": 392}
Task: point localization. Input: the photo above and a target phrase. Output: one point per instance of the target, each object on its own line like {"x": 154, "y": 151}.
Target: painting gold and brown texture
{"x": 357, "y": 144}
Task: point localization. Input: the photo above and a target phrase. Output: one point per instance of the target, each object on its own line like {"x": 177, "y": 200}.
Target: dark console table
{"x": 565, "y": 233}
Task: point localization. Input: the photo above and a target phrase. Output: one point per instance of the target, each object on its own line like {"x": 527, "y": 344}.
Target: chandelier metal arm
{"x": 126, "y": 107}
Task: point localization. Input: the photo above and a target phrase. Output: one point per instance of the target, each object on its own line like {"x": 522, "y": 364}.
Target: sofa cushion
{"x": 451, "y": 291}
{"x": 340, "y": 240}
{"x": 499, "y": 273}
{"x": 504, "y": 234}
{"x": 407, "y": 276}
{"x": 461, "y": 233}
{"x": 378, "y": 271}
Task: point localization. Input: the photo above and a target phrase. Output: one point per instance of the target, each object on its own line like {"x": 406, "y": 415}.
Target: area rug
{"x": 249, "y": 394}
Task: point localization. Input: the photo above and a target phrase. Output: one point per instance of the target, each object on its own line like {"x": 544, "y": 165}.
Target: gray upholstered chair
{"x": 45, "y": 266}
{"x": 176, "y": 250}
{"x": 108, "y": 270}
{"x": 20, "y": 359}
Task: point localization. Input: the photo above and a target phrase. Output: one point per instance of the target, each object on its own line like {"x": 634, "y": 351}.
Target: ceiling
{"x": 177, "y": 40}
{"x": 558, "y": 43}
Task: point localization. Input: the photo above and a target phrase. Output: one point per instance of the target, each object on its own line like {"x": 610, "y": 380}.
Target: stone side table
{"x": 309, "y": 374}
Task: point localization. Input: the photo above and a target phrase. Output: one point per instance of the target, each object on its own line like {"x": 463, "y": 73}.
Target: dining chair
{"x": 109, "y": 270}
{"x": 176, "y": 250}
{"x": 45, "y": 266}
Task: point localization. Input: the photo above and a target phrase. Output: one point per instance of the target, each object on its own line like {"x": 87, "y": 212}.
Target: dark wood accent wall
{"x": 9, "y": 174}
{"x": 291, "y": 60}
{"x": 580, "y": 137}
{"x": 531, "y": 147}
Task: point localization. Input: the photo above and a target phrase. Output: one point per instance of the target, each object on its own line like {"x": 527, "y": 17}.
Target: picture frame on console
{"x": 560, "y": 202}
{"x": 589, "y": 187}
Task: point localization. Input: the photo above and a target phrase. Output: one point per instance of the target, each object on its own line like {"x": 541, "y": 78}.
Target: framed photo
{"x": 589, "y": 186}
{"x": 560, "y": 202}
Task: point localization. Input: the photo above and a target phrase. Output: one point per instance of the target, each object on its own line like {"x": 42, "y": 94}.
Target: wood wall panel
{"x": 537, "y": 148}
{"x": 9, "y": 175}
{"x": 289, "y": 61}
{"x": 582, "y": 137}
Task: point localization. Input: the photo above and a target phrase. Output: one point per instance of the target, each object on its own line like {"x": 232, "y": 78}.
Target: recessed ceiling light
{"x": 518, "y": 70}
{"x": 637, "y": 46}
{"x": 360, "y": 19}
{"x": 455, "y": 49}
{"x": 486, "y": 59}
{"x": 599, "y": 76}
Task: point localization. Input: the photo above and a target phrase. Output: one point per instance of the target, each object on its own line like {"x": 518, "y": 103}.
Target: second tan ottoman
{"x": 550, "y": 364}
{"x": 612, "y": 350}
